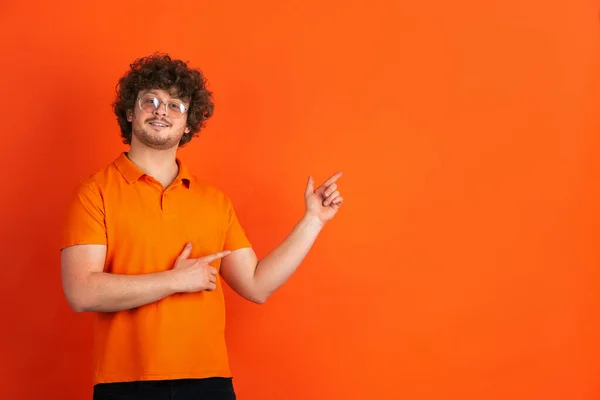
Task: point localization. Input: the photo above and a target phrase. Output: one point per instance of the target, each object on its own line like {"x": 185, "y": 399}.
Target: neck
{"x": 159, "y": 164}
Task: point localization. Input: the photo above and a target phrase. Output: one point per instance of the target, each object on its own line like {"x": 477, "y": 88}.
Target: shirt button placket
{"x": 164, "y": 203}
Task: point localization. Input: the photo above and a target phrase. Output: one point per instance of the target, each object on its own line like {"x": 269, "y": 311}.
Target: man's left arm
{"x": 257, "y": 280}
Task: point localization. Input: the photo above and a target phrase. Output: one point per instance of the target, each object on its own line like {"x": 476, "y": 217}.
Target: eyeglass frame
{"x": 185, "y": 109}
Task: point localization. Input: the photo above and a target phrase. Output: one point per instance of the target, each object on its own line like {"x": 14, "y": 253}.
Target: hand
{"x": 195, "y": 274}
{"x": 324, "y": 202}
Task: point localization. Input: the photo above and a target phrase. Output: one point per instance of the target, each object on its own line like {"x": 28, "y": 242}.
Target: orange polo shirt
{"x": 145, "y": 227}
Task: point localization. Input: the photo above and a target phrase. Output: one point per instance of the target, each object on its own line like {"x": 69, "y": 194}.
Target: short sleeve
{"x": 85, "y": 222}
{"x": 235, "y": 237}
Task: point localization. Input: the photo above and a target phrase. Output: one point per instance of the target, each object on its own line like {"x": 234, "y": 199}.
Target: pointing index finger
{"x": 332, "y": 179}
{"x": 213, "y": 257}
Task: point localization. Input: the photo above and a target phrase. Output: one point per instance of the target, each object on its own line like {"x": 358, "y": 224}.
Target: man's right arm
{"x": 88, "y": 288}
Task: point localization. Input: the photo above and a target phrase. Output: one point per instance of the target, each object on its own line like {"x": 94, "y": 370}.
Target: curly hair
{"x": 159, "y": 71}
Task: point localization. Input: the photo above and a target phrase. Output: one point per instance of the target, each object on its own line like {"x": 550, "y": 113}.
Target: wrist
{"x": 312, "y": 221}
{"x": 171, "y": 282}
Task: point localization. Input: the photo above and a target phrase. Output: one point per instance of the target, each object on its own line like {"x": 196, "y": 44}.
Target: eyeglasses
{"x": 173, "y": 108}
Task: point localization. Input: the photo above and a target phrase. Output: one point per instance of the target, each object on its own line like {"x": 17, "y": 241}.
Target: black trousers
{"x": 179, "y": 389}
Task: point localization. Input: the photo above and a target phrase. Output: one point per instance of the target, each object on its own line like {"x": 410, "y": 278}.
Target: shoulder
{"x": 95, "y": 184}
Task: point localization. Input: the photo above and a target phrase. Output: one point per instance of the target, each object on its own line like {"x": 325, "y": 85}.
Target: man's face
{"x": 152, "y": 125}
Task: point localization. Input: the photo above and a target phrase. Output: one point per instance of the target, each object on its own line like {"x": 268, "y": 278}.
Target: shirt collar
{"x": 132, "y": 173}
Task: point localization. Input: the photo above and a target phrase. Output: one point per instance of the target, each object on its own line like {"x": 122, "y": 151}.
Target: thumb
{"x": 310, "y": 186}
{"x": 187, "y": 250}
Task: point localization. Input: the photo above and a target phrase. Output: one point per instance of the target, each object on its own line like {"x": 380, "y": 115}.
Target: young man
{"x": 146, "y": 245}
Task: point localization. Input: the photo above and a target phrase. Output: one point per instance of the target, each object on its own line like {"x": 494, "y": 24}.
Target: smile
{"x": 159, "y": 124}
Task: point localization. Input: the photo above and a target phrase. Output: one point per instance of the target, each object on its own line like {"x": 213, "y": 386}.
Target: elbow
{"x": 259, "y": 298}
{"x": 76, "y": 306}
{"x": 82, "y": 306}
{"x": 79, "y": 304}
{"x": 78, "y": 295}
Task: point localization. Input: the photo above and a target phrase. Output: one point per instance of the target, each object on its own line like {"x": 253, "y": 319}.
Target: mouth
{"x": 159, "y": 125}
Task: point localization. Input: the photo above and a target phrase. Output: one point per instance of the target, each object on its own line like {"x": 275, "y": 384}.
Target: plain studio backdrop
{"x": 464, "y": 262}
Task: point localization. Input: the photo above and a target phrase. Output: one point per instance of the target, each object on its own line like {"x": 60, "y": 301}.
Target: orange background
{"x": 464, "y": 263}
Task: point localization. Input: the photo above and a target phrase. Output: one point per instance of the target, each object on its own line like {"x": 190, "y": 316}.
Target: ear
{"x": 130, "y": 115}
{"x": 187, "y": 129}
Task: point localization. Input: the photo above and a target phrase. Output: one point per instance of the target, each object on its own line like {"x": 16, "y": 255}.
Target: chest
{"x": 153, "y": 225}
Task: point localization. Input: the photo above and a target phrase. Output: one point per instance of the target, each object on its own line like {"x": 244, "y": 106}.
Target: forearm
{"x": 106, "y": 292}
{"x": 275, "y": 268}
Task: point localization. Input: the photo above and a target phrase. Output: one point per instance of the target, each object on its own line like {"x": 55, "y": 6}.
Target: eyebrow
{"x": 156, "y": 94}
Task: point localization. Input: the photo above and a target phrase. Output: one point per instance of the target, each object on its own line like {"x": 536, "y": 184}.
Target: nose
{"x": 161, "y": 110}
